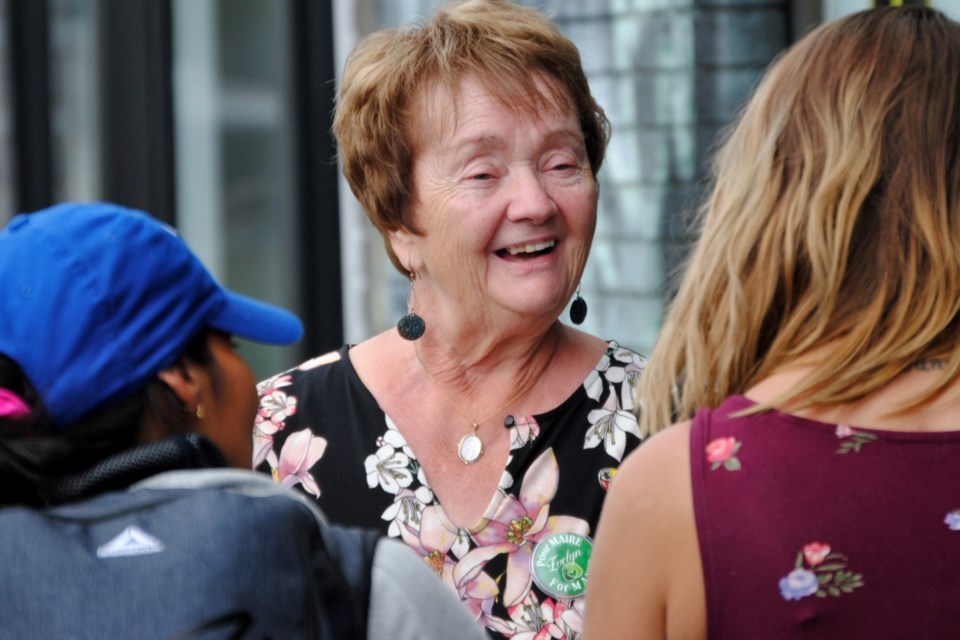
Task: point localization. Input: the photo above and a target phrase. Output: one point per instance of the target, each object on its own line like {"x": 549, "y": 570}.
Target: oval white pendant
{"x": 471, "y": 448}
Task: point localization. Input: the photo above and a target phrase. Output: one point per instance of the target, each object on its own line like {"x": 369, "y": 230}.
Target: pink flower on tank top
{"x": 851, "y": 439}
{"x": 819, "y": 570}
{"x": 722, "y": 452}
{"x": 815, "y": 553}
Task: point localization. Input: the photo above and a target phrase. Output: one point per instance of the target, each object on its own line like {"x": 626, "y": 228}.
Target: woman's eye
{"x": 561, "y": 162}
{"x": 563, "y": 166}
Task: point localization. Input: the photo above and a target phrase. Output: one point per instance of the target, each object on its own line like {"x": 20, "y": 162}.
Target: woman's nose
{"x": 529, "y": 198}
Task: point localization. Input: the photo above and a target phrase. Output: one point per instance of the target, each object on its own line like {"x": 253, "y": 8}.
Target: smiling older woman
{"x": 483, "y": 432}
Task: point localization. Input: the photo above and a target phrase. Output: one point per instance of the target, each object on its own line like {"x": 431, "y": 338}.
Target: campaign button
{"x": 559, "y": 564}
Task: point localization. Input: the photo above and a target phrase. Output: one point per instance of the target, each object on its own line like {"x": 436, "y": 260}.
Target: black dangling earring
{"x": 578, "y": 309}
{"x": 411, "y": 326}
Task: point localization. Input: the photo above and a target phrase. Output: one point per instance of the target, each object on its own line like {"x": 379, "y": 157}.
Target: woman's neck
{"x": 508, "y": 362}
{"x": 882, "y": 409}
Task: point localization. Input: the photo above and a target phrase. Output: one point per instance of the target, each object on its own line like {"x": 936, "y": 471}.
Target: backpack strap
{"x": 352, "y": 550}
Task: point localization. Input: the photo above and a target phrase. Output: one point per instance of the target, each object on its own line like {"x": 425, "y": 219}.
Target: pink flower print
{"x": 263, "y": 432}
{"x": 521, "y": 521}
{"x": 300, "y": 452}
{"x": 819, "y": 570}
{"x": 814, "y": 553}
{"x": 844, "y": 431}
{"x": 537, "y": 620}
{"x": 852, "y": 440}
{"x": 571, "y": 618}
{"x": 722, "y": 452}
{"x": 953, "y": 520}
{"x": 721, "y": 449}
{"x": 433, "y": 542}
{"x": 478, "y": 590}
{"x": 277, "y": 406}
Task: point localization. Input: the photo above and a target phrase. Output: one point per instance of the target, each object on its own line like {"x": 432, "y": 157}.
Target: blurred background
{"x": 214, "y": 115}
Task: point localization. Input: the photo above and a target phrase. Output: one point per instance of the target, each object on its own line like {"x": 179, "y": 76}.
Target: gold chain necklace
{"x": 470, "y": 448}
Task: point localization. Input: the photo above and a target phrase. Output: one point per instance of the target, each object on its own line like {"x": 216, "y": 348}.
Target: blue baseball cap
{"x": 96, "y": 299}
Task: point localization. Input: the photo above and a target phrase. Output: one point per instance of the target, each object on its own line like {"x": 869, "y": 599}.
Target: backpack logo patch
{"x": 134, "y": 541}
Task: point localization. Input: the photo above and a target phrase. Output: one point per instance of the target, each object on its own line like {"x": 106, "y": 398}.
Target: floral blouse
{"x": 523, "y": 570}
{"x": 817, "y": 530}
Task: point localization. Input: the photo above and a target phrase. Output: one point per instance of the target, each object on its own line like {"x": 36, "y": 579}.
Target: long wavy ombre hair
{"x": 833, "y": 225}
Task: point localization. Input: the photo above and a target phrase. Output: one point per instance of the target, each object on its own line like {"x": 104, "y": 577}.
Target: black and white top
{"x": 320, "y": 428}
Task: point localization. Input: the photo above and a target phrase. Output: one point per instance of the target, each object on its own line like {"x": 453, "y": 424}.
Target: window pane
{"x": 233, "y": 151}
{"x": 6, "y": 139}
{"x": 74, "y": 121}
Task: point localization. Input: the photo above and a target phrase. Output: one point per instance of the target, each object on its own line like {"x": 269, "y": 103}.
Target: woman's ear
{"x": 405, "y": 247}
{"x": 168, "y": 419}
{"x": 183, "y": 381}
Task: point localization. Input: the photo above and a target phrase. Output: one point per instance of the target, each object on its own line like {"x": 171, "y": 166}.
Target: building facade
{"x": 214, "y": 115}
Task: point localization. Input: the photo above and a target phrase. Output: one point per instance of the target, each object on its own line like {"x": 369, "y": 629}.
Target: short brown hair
{"x": 504, "y": 44}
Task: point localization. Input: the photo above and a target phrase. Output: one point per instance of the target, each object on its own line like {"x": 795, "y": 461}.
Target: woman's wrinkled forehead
{"x": 435, "y": 112}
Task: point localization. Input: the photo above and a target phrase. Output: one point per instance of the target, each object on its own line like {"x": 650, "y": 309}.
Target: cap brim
{"x": 257, "y": 321}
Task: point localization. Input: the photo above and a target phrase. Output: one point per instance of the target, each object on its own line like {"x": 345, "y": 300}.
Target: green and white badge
{"x": 559, "y": 564}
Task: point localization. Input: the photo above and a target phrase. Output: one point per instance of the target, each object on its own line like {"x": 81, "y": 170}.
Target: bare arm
{"x": 645, "y": 575}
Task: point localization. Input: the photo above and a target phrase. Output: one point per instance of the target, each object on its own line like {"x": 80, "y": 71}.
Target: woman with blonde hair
{"x": 810, "y": 357}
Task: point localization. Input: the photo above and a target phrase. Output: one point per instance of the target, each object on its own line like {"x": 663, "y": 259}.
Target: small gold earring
{"x": 200, "y": 412}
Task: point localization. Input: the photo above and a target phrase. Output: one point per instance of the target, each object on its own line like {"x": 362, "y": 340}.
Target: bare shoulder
{"x": 653, "y": 483}
{"x": 645, "y": 571}
{"x": 663, "y": 458}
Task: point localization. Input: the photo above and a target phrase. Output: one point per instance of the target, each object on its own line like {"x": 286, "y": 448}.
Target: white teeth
{"x": 531, "y": 248}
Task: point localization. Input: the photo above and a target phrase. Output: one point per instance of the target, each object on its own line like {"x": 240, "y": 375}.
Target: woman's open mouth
{"x": 527, "y": 251}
